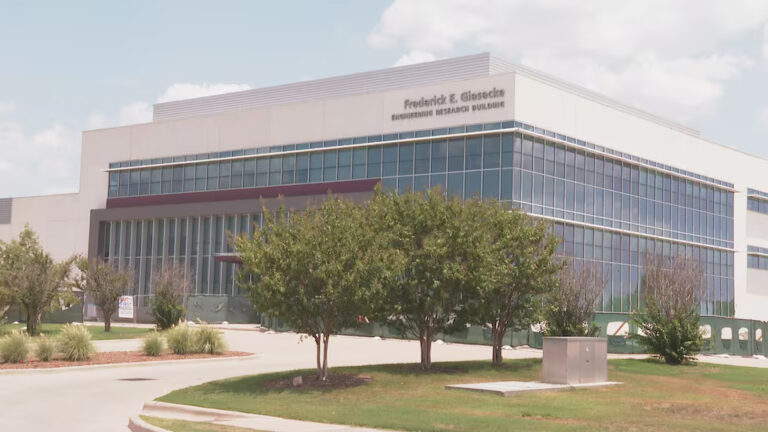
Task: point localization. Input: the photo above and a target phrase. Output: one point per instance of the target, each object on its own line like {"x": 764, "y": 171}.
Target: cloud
{"x": 33, "y": 161}
{"x": 181, "y": 91}
{"x": 765, "y": 42}
{"x": 415, "y": 57}
{"x": 137, "y": 112}
{"x": 669, "y": 57}
{"x": 141, "y": 112}
{"x": 7, "y": 108}
{"x": 762, "y": 116}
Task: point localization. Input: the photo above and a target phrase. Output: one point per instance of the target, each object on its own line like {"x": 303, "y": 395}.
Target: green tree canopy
{"x": 511, "y": 269}
{"x": 428, "y": 232}
{"x": 31, "y": 278}
{"x": 319, "y": 272}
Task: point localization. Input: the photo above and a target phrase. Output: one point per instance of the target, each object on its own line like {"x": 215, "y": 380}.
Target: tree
{"x": 170, "y": 287}
{"x": 32, "y": 279}
{"x": 668, "y": 317}
{"x": 318, "y": 271}
{"x": 104, "y": 283}
{"x": 570, "y": 304}
{"x": 428, "y": 233}
{"x": 513, "y": 267}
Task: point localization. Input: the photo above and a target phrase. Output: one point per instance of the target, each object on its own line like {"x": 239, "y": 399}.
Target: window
{"x": 491, "y": 184}
{"x": 406, "y": 160}
{"x": 455, "y": 155}
{"x": 358, "y": 163}
{"x": 344, "y": 165}
{"x": 472, "y": 184}
{"x": 491, "y": 152}
{"x": 374, "y": 162}
{"x": 474, "y": 157}
{"x": 329, "y": 166}
{"x": 389, "y": 161}
{"x": 289, "y": 165}
{"x": 421, "y": 163}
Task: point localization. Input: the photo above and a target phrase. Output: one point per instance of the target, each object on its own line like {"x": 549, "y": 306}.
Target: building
{"x": 614, "y": 180}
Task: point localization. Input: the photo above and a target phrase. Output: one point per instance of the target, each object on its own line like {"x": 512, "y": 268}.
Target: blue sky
{"x": 75, "y": 65}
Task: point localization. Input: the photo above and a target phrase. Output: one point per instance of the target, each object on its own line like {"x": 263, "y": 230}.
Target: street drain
{"x": 136, "y": 379}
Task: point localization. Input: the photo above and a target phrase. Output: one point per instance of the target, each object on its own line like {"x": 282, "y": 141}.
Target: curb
{"x": 115, "y": 365}
{"x": 212, "y": 415}
{"x": 136, "y": 424}
{"x": 190, "y": 412}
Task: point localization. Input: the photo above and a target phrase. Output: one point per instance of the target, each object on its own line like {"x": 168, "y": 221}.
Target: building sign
{"x": 125, "y": 308}
{"x": 446, "y": 104}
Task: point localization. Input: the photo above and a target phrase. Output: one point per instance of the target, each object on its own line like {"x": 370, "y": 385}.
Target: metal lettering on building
{"x": 451, "y": 103}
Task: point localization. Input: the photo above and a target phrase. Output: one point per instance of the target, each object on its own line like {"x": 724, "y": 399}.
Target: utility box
{"x": 575, "y": 360}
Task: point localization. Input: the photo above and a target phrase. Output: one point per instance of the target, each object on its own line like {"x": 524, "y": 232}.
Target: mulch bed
{"x": 115, "y": 357}
{"x": 335, "y": 381}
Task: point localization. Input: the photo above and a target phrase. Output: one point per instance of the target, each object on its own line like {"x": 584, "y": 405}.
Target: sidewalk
{"x": 237, "y": 419}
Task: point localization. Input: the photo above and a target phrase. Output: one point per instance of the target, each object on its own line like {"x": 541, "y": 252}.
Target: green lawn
{"x": 654, "y": 396}
{"x": 190, "y": 426}
{"x": 97, "y": 332}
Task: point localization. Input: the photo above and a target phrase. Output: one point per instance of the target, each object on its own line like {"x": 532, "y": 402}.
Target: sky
{"x": 71, "y": 66}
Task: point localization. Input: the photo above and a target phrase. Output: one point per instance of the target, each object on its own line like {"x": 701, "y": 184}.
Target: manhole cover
{"x": 135, "y": 379}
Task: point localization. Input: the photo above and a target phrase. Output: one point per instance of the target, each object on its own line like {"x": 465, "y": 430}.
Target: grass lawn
{"x": 97, "y": 332}
{"x": 190, "y": 426}
{"x": 654, "y": 396}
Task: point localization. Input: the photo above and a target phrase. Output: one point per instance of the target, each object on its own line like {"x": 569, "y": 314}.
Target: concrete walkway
{"x": 243, "y": 420}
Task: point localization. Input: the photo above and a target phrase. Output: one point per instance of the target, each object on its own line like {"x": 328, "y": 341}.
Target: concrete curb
{"x": 130, "y": 364}
{"x": 244, "y": 420}
{"x": 136, "y": 424}
{"x": 189, "y": 412}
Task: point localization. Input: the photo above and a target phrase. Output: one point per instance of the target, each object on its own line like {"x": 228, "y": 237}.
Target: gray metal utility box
{"x": 575, "y": 360}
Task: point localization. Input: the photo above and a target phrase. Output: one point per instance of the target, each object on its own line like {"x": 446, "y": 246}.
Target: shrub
{"x": 14, "y": 348}
{"x": 44, "y": 349}
{"x": 74, "y": 343}
{"x": 209, "y": 340}
{"x": 668, "y": 314}
{"x": 570, "y": 304}
{"x": 181, "y": 339}
{"x": 171, "y": 286}
{"x": 153, "y": 345}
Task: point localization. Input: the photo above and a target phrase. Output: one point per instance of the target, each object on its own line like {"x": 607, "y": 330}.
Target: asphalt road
{"x": 102, "y": 399}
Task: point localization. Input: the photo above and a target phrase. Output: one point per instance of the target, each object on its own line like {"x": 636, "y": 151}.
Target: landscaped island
{"x": 654, "y": 396}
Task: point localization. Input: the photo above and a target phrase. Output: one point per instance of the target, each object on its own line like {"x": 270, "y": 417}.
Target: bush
{"x": 209, "y": 340}
{"x": 153, "y": 345}
{"x": 74, "y": 343}
{"x": 171, "y": 286}
{"x": 181, "y": 339}
{"x": 44, "y": 349}
{"x": 14, "y": 348}
{"x": 668, "y": 318}
{"x": 570, "y": 304}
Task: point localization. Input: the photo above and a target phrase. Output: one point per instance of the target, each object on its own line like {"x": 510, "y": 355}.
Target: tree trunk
{"x": 33, "y": 322}
{"x": 498, "y": 339}
{"x": 107, "y": 324}
{"x": 425, "y": 339}
{"x": 319, "y": 366}
{"x": 326, "y": 337}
